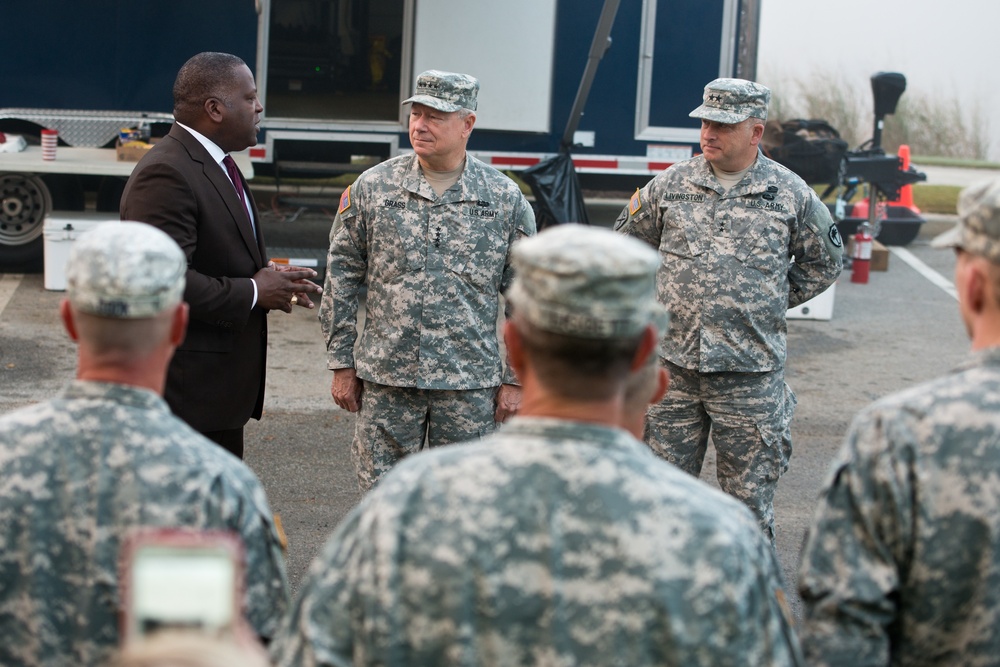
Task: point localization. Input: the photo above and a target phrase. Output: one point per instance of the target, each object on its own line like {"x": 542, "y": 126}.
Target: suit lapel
{"x": 227, "y": 193}
{"x": 260, "y": 233}
{"x": 236, "y": 211}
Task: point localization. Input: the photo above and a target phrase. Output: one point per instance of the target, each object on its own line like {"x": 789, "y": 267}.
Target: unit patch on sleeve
{"x": 634, "y": 204}
{"x": 345, "y": 200}
{"x": 835, "y": 237}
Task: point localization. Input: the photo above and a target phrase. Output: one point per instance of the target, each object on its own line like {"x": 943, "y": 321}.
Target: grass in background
{"x": 936, "y": 199}
{"x": 942, "y": 199}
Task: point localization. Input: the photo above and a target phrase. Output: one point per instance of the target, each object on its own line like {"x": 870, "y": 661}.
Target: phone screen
{"x": 181, "y": 580}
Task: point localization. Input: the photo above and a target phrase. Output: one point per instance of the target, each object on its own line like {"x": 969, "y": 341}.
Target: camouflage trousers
{"x": 749, "y": 417}
{"x": 394, "y": 422}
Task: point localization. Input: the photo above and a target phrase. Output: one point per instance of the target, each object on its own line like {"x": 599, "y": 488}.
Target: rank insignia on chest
{"x": 634, "y": 204}
{"x": 345, "y": 200}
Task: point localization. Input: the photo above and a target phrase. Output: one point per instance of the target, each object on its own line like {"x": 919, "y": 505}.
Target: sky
{"x": 942, "y": 47}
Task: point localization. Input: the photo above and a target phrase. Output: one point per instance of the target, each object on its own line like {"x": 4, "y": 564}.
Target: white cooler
{"x": 820, "y": 307}
{"x": 60, "y": 230}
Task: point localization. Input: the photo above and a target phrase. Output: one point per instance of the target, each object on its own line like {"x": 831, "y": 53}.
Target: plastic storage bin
{"x": 60, "y": 230}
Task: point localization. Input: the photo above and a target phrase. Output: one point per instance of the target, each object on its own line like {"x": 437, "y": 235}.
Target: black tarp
{"x": 558, "y": 197}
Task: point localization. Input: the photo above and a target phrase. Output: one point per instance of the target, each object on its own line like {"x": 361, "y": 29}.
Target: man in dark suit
{"x": 188, "y": 186}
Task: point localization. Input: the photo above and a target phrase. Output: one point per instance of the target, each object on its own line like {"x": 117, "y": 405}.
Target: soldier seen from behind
{"x": 106, "y": 456}
{"x": 901, "y": 565}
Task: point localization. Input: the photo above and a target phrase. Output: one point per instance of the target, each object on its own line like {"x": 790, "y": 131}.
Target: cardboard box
{"x": 132, "y": 151}
{"x": 820, "y": 307}
{"x": 880, "y": 255}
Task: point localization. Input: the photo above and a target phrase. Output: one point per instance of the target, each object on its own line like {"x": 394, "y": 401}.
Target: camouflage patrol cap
{"x": 127, "y": 270}
{"x": 978, "y": 228}
{"x": 586, "y": 282}
{"x": 732, "y": 101}
{"x": 445, "y": 91}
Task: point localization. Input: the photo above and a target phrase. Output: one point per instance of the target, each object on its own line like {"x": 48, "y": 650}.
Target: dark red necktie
{"x": 238, "y": 183}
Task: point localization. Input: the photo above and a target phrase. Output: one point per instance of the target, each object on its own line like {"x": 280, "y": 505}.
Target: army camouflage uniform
{"x": 435, "y": 268}
{"x": 728, "y": 277}
{"x": 902, "y": 563}
{"x": 551, "y": 542}
{"x": 76, "y": 474}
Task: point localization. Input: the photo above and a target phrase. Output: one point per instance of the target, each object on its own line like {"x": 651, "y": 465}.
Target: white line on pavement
{"x": 8, "y": 283}
{"x": 925, "y": 271}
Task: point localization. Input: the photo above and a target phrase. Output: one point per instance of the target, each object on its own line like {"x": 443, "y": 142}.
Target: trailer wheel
{"x": 24, "y": 200}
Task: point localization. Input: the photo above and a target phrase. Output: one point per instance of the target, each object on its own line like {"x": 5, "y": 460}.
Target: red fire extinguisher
{"x": 861, "y": 258}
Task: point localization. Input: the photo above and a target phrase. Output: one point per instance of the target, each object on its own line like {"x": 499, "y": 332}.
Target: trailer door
{"x": 334, "y": 60}
{"x": 685, "y": 44}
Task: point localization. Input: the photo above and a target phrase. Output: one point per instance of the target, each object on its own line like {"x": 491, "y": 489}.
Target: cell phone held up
{"x": 180, "y": 579}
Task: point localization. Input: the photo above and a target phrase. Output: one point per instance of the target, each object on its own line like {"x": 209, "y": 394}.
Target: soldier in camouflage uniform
{"x": 78, "y": 472}
{"x": 742, "y": 239}
{"x": 560, "y": 539}
{"x": 430, "y": 233}
{"x": 901, "y": 565}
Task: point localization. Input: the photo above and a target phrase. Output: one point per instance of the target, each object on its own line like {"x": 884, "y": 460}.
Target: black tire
{"x": 24, "y": 202}
{"x": 26, "y": 258}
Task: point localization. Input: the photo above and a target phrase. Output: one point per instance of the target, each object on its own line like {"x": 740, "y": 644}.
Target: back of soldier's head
{"x": 583, "y": 298}
{"x": 978, "y": 229}
{"x": 123, "y": 279}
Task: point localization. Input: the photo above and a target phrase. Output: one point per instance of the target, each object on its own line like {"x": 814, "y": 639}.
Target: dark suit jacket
{"x": 216, "y": 378}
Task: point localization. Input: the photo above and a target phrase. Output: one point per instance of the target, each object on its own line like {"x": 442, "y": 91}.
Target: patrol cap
{"x": 732, "y": 101}
{"x": 978, "y": 228}
{"x": 127, "y": 270}
{"x": 586, "y": 282}
{"x": 445, "y": 91}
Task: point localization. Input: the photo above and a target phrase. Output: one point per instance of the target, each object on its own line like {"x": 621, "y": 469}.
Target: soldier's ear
{"x": 662, "y": 384}
{"x": 66, "y": 314}
{"x": 515, "y": 351}
{"x": 647, "y": 346}
{"x": 178, "y": 325}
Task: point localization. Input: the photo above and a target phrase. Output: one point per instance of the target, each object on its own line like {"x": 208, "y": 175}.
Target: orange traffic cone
{"x": 906, "y": 191}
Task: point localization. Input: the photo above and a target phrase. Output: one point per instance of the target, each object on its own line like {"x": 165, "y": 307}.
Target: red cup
{"x": 50, "y": 139}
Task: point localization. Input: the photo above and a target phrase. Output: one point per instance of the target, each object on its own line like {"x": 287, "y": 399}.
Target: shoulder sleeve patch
{"x": 634, "y": 204}
{"x": 345, "y": 200}
{"x": 835, "y": 237}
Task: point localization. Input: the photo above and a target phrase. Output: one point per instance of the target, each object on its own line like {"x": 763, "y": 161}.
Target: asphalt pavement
{"x": 900, "y": 328}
